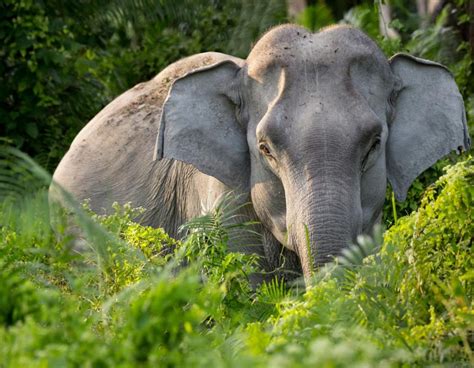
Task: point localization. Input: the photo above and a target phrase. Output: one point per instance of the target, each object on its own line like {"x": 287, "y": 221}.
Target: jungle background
{"x": 402, "y": 297}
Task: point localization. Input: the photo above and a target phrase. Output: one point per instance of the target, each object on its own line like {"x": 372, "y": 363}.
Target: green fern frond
{"x": 366, "y": 245}
{"x": 274, "y": 291}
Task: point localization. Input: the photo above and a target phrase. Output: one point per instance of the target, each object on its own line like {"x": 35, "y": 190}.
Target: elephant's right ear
{"x": 199, "y": 124}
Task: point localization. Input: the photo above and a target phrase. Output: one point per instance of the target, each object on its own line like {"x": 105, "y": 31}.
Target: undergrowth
{"x": 134, "y": 296}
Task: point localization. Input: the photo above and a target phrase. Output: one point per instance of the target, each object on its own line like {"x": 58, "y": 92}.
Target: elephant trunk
{"x": 326, "y": 218}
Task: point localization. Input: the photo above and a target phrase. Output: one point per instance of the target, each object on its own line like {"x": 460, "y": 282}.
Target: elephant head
{"x": 312, "y": 125}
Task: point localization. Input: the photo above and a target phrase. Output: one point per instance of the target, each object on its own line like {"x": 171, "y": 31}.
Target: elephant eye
{"x": 264, "y": 149}
{"x": 370, "y": 157}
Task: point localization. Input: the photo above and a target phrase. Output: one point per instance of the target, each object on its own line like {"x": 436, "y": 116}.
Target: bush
{"x": 410, "y": 303}
{"x": 48, "y": 85}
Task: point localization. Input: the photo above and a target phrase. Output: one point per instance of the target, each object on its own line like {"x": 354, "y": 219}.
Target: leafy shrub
{"x": 408, "y": 304}
{"x": 436, "y": 247}
{"x": 17, "y": 296}
{"x": 47, "y": 78}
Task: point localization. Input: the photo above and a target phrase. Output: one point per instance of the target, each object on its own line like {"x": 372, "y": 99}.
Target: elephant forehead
{"x": 333, "y": 50}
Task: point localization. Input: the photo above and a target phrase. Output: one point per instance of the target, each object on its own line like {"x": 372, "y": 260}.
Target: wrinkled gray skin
{"x": 309, "y": 128}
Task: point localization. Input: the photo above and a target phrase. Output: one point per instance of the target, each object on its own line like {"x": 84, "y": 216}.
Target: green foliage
{"x": 437, "y": 245}
{"x": 316, "y": 16}
{"x": 48, "y": 82}
{"x": 406, "y": 299}
{"x": 62, "y": 61}
{"x": 17, "y": 297}
{"x": 152, "y": 242}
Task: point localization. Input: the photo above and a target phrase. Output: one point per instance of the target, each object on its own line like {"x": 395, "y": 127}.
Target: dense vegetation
{"x": 404, "y": 299}
{"x": 399, "y": 298}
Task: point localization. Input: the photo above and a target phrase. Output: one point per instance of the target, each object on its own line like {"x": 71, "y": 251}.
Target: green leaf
{"x": 32, "y": 130}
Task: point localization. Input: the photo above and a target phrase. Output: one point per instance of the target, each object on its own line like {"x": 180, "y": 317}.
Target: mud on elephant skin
{"x": 308, "y": 127}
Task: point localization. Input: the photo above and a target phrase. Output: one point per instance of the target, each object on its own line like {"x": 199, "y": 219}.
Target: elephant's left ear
{"x": 429, "y": 121}
{"x": 199, "y": 124}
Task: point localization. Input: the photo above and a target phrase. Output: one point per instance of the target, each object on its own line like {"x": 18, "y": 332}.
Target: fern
{"x": 366, "y": 246}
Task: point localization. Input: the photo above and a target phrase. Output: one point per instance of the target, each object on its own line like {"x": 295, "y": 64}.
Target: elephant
{"x": 308, "y": 129}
